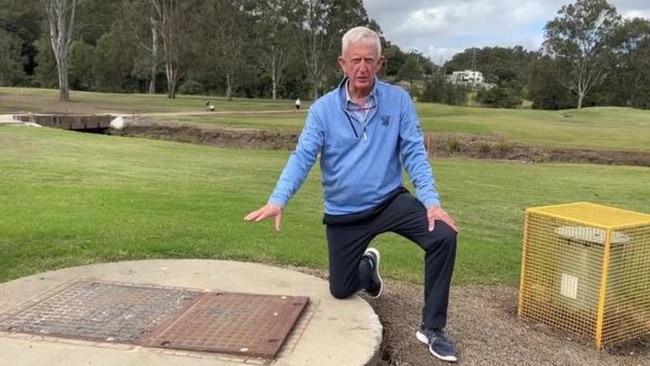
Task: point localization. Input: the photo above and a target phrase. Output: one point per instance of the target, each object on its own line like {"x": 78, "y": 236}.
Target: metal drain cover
{"x": 175, "y": 318}
{"x": 100, "y": 312}
{"x": 234, "y": 323}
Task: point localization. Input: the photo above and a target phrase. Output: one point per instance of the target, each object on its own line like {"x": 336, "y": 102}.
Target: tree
{"x": 231, "y": 40}
{"x": 87, "y": 27}
{"x": 169, "y": 19}
{"x": 61, "y": 15}
{"x": 438, "y": 90}
{"x": 500, "y": 96}
{"x": 578, "y": 37}
{"x": 81, "y": 65}
{"x": 321, "y": 24}
{"x": 274, "y": 35}
{"x": 632, "y": 72}
{"x": 412, "y": 69}
{"x": 145, "y": 36}
{"x": 45, "y": 73}
{"x": 545, "y": 88}
{"x": 221, "y": 38}
{"x": 394, "y": 60}
{"x": 505, "y": 67}
{"x": 312, "y": 39}
{"x": 22, "y": 21}
{"x": 10, "y": 62}
{"x": 117, "y": 61}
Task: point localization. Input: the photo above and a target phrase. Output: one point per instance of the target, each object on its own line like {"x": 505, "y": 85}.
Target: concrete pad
{"x": 331, "y": 332}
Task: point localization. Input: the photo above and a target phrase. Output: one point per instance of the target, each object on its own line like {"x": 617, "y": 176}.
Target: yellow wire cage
{"x": 585, "y": 269}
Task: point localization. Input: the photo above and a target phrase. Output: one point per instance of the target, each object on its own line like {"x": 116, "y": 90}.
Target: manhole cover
{"x": 100, "y": 312}
{"x": 234, "y": 323}
{"x": 176, "y": 318}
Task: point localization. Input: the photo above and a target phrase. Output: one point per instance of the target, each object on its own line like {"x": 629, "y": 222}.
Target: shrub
{"x": 191, "y": 87}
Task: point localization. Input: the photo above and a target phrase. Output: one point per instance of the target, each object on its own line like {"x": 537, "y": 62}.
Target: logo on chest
{"x": 385, "y": 120}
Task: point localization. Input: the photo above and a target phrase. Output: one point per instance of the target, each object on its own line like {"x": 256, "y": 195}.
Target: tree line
{"x": 288, "y": 48}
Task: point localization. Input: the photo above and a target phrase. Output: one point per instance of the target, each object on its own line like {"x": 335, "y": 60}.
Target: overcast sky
{"x": 441, "y": 28}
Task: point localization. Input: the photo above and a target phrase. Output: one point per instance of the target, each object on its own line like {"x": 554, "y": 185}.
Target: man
{"x": 366, "y": 131}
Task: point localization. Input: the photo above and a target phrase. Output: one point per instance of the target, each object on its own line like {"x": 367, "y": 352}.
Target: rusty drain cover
{"x": 176, "y": 318}
{"x": 234, "y": 323}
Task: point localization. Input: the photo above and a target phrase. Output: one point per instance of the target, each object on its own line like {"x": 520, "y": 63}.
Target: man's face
{"x": 361, "y": 63}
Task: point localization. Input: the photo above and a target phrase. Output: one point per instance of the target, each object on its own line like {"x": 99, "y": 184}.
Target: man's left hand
{"x": 437, "y": 213}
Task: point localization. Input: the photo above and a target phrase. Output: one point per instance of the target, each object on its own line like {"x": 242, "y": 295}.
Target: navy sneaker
{"x": 439, "y": 345}
{"x": 376, "y": 285}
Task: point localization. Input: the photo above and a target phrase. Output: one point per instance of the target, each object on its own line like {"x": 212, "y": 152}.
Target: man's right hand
{"x": 269, "y": 210}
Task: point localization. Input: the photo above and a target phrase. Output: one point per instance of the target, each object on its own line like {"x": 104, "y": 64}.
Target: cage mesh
{"x": 586, "y": 269}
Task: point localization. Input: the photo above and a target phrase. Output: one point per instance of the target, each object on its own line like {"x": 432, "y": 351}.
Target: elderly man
{"x": 367, "y": 132}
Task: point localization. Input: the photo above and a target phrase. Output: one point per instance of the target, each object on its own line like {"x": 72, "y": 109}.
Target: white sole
{"x": 378, "y": 256}
{"x": 424, "y": 339}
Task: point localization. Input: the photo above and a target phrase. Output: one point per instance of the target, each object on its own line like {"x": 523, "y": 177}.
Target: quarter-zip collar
{"x": 363, "y": 117}
{"x": 344, "y": 93}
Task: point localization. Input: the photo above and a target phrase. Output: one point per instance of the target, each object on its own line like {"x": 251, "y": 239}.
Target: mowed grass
{"x": 610, "y": 128}
{"x": 70, "y": 199}
{"x": 17, "y": 100}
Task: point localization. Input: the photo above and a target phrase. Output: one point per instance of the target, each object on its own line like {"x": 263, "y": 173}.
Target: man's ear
{"x": 380, "y": 63}
{"x": 341, "y": 62}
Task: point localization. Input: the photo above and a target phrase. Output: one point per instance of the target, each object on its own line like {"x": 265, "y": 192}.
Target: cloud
{"x": 443, "y": 28}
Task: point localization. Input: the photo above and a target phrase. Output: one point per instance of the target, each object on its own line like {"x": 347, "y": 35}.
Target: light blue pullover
{"x": 361, "y": 162}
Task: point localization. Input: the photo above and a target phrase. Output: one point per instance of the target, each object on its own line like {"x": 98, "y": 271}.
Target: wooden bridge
{"x": 77, "y": 122}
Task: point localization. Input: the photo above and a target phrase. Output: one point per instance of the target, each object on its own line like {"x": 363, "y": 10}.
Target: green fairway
{"x": 595, "y": 128}
{"x": 69, "y": 198}
{"x": 14, "y": 100}
{"x": 611, "y": 128}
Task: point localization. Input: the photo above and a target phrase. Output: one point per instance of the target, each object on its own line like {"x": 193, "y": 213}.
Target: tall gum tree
{"x": 61, "y": 15}
{"x": 274, "y": 35}
{"x": 169, "y": 17}
{"x": 141, "y": 18}
{"x": 222, "y": 32}
{"x": 578, "y": 37}
{"x": 313, "y": 41}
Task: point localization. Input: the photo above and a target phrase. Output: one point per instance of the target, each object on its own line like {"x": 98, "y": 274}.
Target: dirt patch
{"x": 483, "y": 324}
{"x": 441, "y": 145}
{"x": 496, "y": 147}
{"x": 230, "y": 138}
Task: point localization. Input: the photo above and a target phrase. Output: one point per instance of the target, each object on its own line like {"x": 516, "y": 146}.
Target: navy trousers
{"x": 348, "y": 236}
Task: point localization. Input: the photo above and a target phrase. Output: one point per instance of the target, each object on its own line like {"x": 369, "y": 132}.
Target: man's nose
{"x": 363, "y": 67}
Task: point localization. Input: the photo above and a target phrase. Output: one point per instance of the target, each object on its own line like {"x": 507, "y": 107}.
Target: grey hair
{"x": 361, "y": 35}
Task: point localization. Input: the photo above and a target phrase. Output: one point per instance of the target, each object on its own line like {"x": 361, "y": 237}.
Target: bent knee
{"x": 341, "y": 293}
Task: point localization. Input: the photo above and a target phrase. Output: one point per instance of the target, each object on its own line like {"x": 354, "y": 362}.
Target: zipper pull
{"x": 365, "y": 136}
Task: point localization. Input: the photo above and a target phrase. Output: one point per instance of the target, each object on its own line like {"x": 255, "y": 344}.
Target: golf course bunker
{"x": 183, "y": 312}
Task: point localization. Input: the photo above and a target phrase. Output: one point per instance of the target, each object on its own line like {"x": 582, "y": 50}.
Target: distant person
{"x": 298, "y": 104}
{"x": 209, "y": 106}
{"x": 365, "y": 133}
